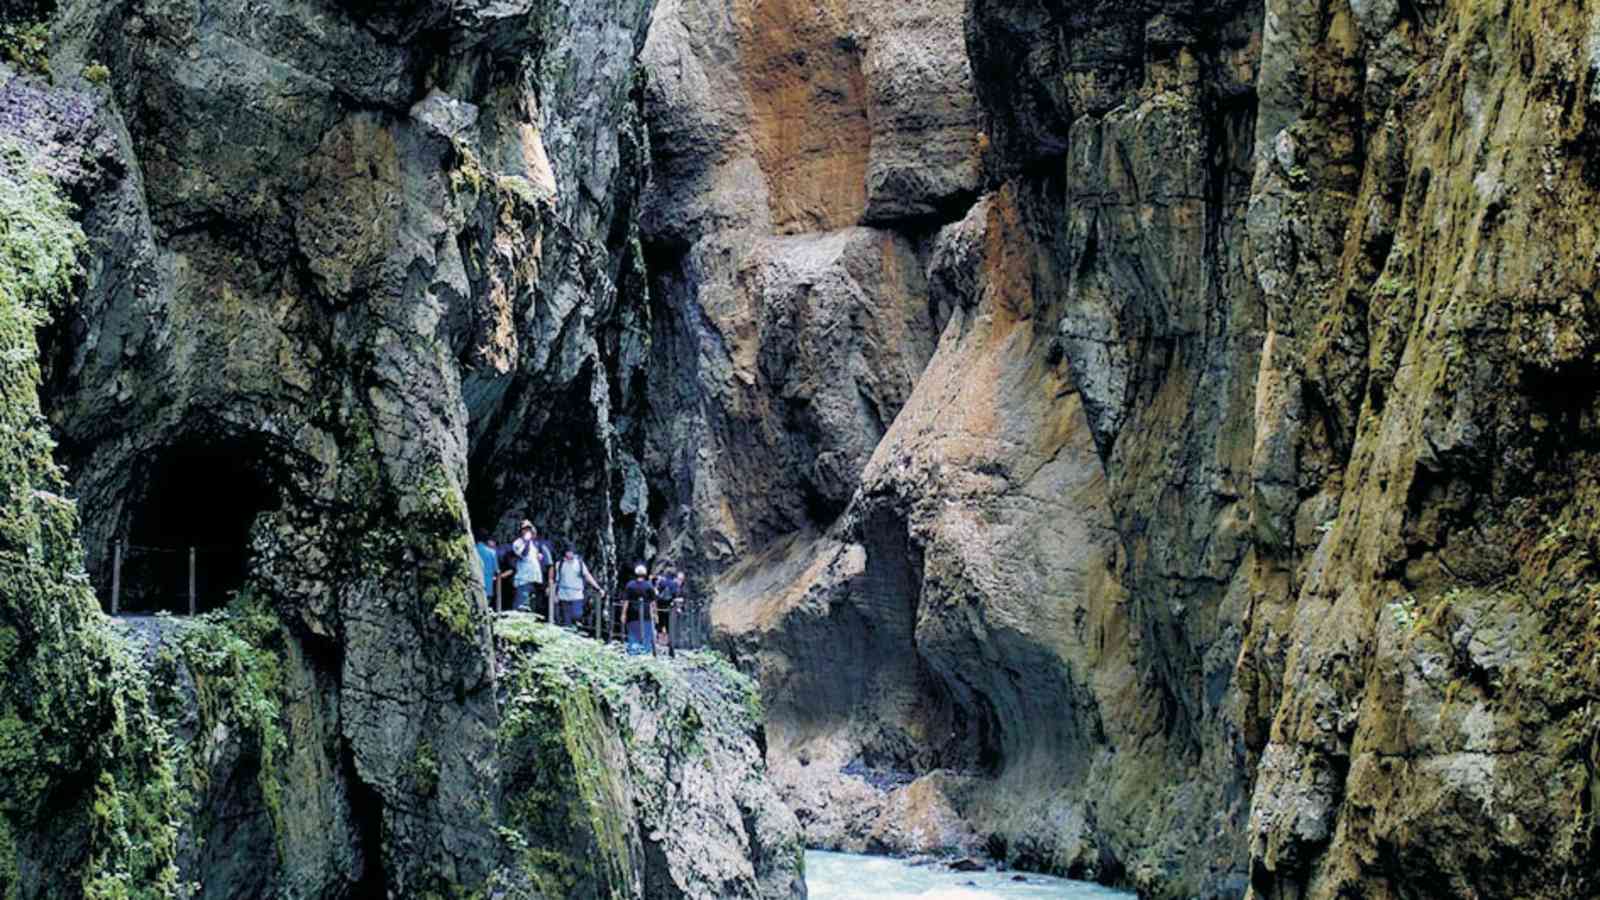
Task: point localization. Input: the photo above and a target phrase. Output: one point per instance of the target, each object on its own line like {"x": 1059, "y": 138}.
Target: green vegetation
{"x": 235, "y": 659}
{"x": 425, "y": 768}
{"x": 573, "y": 764}
{"x": 744, "y": 689}
{"x": 39, "y": 243}
{"x": 567, "y": 810}
{"x": 26, "y": 45}
{"x": 89, "y": 770}
{"x": 444, "y": 550}
{"x": 87, "y": 752}
{"x": 96, "y": 73}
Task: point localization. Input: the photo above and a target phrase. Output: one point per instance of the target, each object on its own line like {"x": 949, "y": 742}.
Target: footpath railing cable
{"x": 153, "y": 581}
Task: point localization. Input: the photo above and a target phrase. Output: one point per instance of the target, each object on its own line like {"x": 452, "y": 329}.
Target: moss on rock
{"x": 92, "y": 797}
{"x": 634, "y": 774}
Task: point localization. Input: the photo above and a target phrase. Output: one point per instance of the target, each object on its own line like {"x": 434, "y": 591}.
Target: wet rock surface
{"x": 620, "y": 776}
{"x": 369, "y": 260}
{"x": 659, "y": 779}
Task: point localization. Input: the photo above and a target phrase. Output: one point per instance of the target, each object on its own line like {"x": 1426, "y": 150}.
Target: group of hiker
{"x": 531, "y": 565}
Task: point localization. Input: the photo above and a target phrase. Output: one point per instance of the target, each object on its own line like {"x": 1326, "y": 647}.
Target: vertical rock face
{"x": 354, "y": 279}
{"x": 320, "y": 228}
{"x": 658, "y": 786}
{"x": 1231, "y": 537}
{"x": 1440, "y": 345}
{"x": 799, "y": 170}
{"x": 1021, "y": 551}
{"x": 1150, "y": 441}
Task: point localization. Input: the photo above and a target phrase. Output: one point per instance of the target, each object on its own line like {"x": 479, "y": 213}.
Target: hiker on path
{"x": 529, "y": 572}
{"x": 571, "y": 574}
{"x": 639, "y": 612}
{"x": 547, "y": 558}
{"x": 666, "y": 584}
{"x": 491, "y": 564}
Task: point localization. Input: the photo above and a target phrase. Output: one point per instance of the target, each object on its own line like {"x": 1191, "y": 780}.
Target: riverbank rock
{"x": 620, "y": 776}
{"x": 645, "y": 774}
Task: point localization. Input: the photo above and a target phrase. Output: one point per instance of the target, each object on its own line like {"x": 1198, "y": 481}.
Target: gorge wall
{"x": 327, "y": 284}
{"x": 1148, "y": 441}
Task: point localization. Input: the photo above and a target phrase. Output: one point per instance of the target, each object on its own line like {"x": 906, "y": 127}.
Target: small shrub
{"x": 1404, "y": 612}
{"x": 26, "y": 45}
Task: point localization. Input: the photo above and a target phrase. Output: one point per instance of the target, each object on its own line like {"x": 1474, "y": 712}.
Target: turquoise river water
{"x": 845, "y": 876}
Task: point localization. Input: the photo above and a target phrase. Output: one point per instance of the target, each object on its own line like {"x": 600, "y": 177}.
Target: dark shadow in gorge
{"x": 201, "y": 493}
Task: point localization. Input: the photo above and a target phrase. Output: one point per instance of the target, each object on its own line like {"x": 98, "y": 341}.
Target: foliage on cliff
{"x": 620, "y": 774}
{"x": 90, "y": 796}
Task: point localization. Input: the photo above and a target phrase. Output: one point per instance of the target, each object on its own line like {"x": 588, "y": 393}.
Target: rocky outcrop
{"x": 621, "y": 777}
{"x": 87, "y": 791}
{"x": 801, "y": 155}
{"x": 647, "y": 773}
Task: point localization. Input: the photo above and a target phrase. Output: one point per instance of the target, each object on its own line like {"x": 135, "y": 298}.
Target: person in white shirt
{"x": 571, "y": 574}
{"x": 529, "y": 574}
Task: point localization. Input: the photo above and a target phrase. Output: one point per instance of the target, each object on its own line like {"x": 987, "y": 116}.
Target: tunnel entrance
{"x": 190, "y": 529}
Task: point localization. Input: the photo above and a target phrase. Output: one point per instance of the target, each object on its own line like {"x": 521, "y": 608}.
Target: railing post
{"x": 116, "y": 576}
{"x": 191, "y": 582}
{"x": 498, "y": 581}
{"x": 672, "y": 628}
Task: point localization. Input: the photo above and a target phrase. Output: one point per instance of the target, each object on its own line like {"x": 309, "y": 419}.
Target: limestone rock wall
{"x": 802, "y": 156}
{"x": 1439, "y": 343}
{"x": 647, "y": 773}
{"x": 622, "y": 777}
{"x": 1223, "y": 536}
{"x": 1149, "y": 441}
{"x": 380, "y": 258}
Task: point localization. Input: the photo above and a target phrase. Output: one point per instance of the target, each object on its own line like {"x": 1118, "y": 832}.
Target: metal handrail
{"x": 121, "y": 548}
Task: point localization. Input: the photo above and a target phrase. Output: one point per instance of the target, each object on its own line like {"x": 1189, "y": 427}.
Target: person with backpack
{"x": 571, "y": 574}
{"x": 529, "y": 573}
{"x": 666, "y": 584}
{"x": 639, "y": 613}
{"x": 547, "y": 554}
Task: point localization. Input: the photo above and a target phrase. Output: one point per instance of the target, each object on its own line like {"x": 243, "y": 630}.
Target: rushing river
{"x": 845, "y": 876}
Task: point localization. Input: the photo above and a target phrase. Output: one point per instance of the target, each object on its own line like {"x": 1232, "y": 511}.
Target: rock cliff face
{"x": 334, "y": 283}
{"x": 314, "y": 249}
{"x": 1216, "y": 524}
{"x": 1151, "y": 441}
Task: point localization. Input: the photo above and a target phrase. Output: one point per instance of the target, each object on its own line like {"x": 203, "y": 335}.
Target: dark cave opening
{"x": 191, "y": 523}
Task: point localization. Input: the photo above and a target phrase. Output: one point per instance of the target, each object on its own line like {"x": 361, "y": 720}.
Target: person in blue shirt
{"x": 491, "y": 564}
{"x": 639, "y": 613}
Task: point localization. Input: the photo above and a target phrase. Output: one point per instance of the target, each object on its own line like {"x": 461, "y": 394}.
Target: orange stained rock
{"x": 802, "y": 70}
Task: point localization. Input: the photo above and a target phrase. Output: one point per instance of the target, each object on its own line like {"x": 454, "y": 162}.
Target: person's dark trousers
{"x": 524, "y": 596}
{"x": 569, "y": 612}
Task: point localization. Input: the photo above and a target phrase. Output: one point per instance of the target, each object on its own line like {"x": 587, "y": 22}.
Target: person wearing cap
{"x": 639, "y": 612}
{"x": 529, "y": 573}
{"x": 571, "y": 574}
